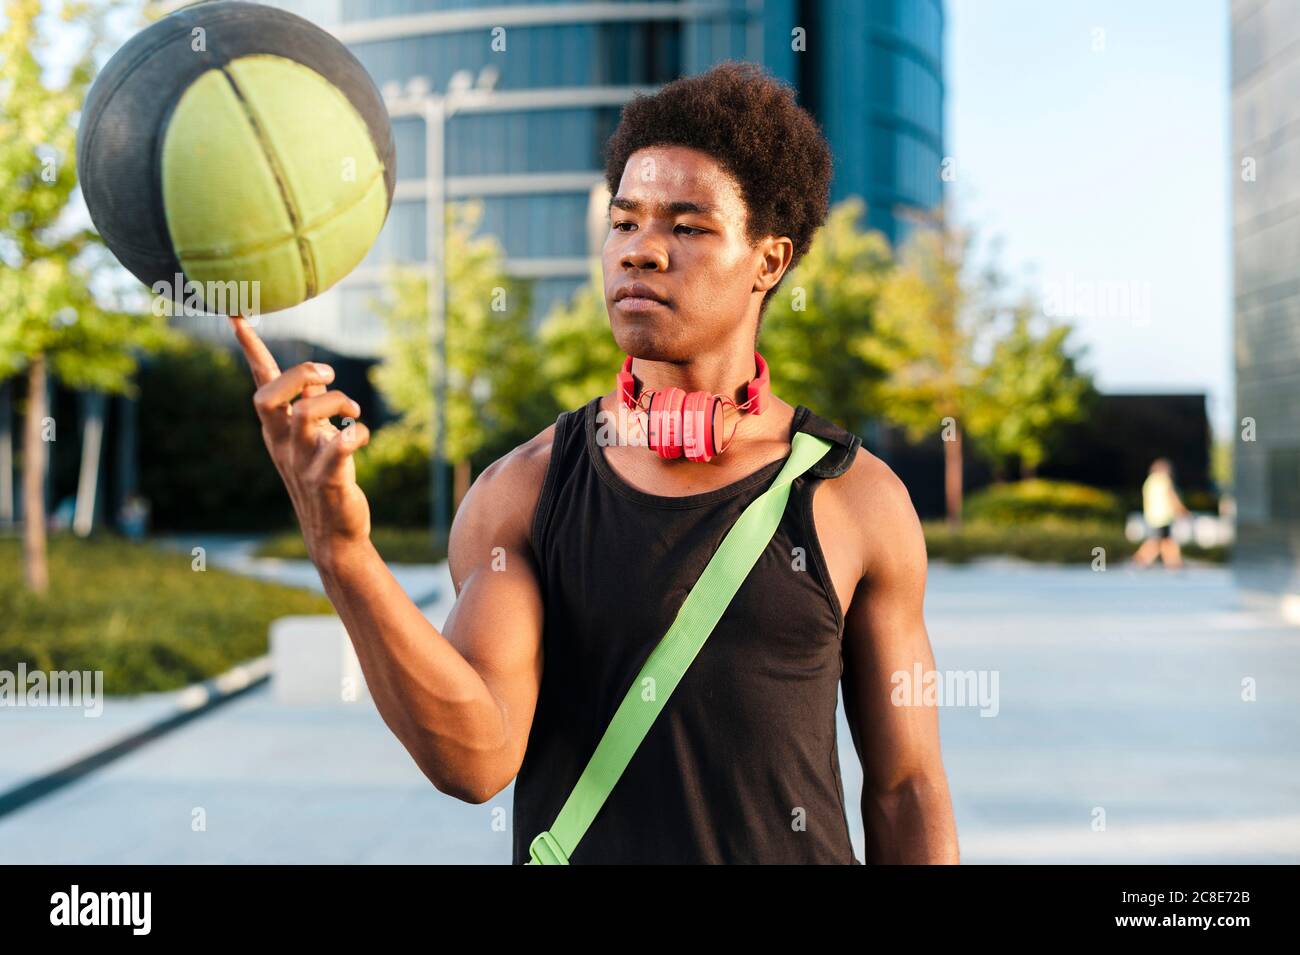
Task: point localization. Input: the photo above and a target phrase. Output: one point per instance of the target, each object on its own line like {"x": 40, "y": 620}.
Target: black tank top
{"x": 741, "y": 766}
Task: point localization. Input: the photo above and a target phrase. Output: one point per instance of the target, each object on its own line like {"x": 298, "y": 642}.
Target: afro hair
{"x": 749, "y": 122}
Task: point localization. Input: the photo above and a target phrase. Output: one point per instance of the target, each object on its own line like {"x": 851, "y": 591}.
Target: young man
{"x": 572, "y": 554}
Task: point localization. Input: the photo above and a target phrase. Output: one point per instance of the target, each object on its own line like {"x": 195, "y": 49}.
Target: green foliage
{"x": 1024, "y": 502}
{"x": 393, "y": 472}
{"x": 938, "y": 337}
{"x": 926, "y": 335}
{"x": 140, "y": 614}
{"x": 815, "y": 328}
{"x": 578, "y": 353}
{"x": 46, "y": 304}
{"x": 202, "y": 459}
{"x": 492, "y": 385}
{"x": 1031, "y": 386}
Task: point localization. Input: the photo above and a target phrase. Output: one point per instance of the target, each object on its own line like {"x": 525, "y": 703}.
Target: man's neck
{"x": 726, "y": 374}
{"x": 752, "y": 436}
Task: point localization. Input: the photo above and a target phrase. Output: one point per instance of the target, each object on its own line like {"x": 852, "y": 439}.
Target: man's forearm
{"x": 435, "y": 703}
{"x": 910, "y": 824}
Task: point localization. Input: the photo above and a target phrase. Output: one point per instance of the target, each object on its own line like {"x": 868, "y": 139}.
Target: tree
{"x": 1033, "y": 386}
{"x": 812, "y": 334}
{"x": 929, "y": 327}
{"x": 579, "y": 356}
{"x": 492, "y": 380}
{"x": 49, "y": 318}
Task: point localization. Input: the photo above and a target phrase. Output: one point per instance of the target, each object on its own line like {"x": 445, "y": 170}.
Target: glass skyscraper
{"x": 532, "y": 152}
{"x": 1266, "y": 252}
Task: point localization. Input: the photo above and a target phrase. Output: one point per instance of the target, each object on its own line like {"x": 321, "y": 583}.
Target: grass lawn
{"x": 138, "y": 613}
{"x": 397, "y": 545}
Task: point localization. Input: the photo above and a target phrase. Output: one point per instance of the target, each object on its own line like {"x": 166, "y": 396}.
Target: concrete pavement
{"x": 1120, "y": 735}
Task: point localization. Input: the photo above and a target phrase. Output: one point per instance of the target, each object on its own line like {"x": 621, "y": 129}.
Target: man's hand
{"x": 314, "y": 457}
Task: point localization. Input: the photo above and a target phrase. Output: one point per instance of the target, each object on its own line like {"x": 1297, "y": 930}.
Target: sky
{"x": 1092, "y": 139}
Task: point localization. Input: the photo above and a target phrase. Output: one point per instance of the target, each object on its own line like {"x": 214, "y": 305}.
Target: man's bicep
{"x": 885, "y": 642}
{"x": 496, "y": 620}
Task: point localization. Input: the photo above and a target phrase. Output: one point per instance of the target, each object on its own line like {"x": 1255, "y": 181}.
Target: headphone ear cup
{"x": 670, "y": 423}
{"x": 713, "y": 433}
{"x": 693, "y": 425}
{"x": 655, "y": 422}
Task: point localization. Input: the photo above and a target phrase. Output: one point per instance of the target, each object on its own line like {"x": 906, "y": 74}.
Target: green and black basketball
{"x": 236, "y": 142}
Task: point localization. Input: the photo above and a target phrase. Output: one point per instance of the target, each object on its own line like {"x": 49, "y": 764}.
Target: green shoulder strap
{"x": 699, "y": 614}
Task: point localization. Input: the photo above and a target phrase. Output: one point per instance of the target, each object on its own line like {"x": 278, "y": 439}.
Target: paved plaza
{"x": 1118, "y": 733}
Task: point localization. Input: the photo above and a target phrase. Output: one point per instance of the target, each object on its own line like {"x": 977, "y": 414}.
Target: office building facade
{"x": 531, "y": 150}
{"x": 1265, "y": 71}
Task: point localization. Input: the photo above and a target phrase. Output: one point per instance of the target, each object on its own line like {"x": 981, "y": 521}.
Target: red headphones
{"x": 690, "y": 423}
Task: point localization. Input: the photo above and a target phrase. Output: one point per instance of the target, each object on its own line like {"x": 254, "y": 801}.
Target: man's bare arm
{"x": 906, "y": 807}
{"x": 461, "y": 701}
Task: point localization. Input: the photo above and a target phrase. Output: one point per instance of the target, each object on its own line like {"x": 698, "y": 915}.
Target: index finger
{"x": 260, "y": 360}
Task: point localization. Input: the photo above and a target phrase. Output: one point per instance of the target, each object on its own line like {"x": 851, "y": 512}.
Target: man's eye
{"x": 691, "y": 227}
{"x": 617, "y": 224}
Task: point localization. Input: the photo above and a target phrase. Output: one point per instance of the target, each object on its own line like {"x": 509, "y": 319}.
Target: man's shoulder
{"x": 873, "y": 501}
{"x": 869, "y": 486}
{"x": 520, "y": 471}
{"x": 498, "y": 509}
{"x": 507, "y": 490}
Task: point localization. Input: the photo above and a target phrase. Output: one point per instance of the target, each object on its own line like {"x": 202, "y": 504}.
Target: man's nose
{"x": 645, "y": 258}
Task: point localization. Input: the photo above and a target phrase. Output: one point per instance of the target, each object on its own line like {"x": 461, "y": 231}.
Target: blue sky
{"x": 1100, "y": 160}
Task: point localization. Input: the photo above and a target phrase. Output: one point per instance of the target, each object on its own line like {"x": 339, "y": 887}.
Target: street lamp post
{"x": 435, "y": 249}
{"x": 435, "y": 109}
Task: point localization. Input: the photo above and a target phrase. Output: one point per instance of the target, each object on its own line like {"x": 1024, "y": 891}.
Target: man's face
{"x": 677, "y": 225}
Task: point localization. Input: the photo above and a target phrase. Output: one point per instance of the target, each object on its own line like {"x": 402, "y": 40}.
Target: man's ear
{"x": 776, "y": 253}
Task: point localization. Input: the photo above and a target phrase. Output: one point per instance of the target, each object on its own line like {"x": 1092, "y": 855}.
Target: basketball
{"x": 233, "y": 142}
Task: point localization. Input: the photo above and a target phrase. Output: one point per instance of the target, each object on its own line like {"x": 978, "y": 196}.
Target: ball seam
{"x": 304, "y": 251}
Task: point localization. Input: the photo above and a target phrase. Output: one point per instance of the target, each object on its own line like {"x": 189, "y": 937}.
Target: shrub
{"x": 1048, "y": 541}
{"x": 1025, "y": 502}
{"x": 393, "y": 472}
{"x": 202, "y": 459}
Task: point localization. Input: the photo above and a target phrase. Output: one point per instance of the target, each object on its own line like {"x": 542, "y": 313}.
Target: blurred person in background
{"x": 1160, "y": 506}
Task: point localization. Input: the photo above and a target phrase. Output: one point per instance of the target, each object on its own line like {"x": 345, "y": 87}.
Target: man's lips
{"x": 635, "y": 303}
{"x": 638, "y": 295}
